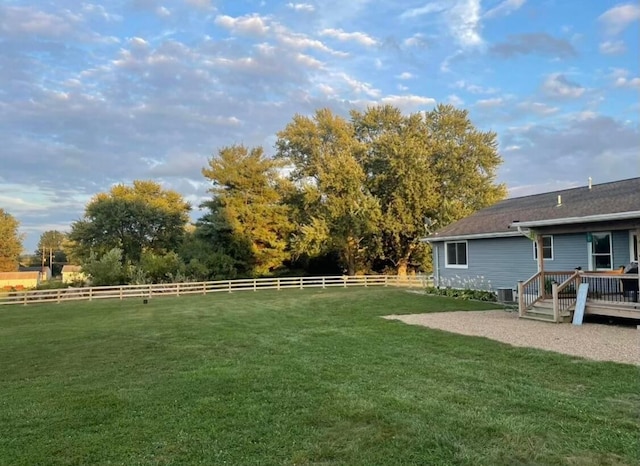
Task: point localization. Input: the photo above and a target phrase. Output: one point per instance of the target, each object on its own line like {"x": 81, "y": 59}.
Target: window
{"x": 600, "y": 248}
{"x": 547, "y": 248}
{"x": 633, "y": 246}
{"x": 456, "y": 254}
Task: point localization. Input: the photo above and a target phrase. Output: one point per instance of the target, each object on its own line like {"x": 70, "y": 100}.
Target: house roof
{"x": 23, "y": 268}
{"x": 607, "y": 201}
{"x": 19, "y": 275}
{"x": 71, "y": 268}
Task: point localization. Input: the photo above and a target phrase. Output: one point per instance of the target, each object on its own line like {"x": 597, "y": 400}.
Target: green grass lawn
{"x": 296, "y": 377}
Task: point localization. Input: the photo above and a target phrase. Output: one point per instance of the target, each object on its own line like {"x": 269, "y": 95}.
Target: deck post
{"x": 520, "y": 298}
{"x": 542, "y": 292}
{"x": 556, "y": 303}
{"x": 638, "y": 259}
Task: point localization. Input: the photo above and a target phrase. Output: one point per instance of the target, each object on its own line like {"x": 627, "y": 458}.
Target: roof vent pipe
{"x": 590, "y": 183}
{"x": 559, "y": 200}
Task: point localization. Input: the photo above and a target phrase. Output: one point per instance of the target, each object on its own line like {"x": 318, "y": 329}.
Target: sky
{"x": 108, "y": 91}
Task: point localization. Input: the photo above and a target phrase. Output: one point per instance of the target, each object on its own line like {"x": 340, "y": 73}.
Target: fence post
{"x": 323, "y": 283}
{"x": 178, "y": 289}
{"x": 58, "y": 294}
{"x": 229, "y": 286}
{"x": 204, "y": 288}
{"x": 278, "y": 284}
{"x": 344, "y": 279}
{"x": 24, "y": 294}
{"x": 90, "y": 293}
{"x": 120, "y": 292}
{"x": 150, "y": 290}
{"x": 255, "y": 284}
{"x": 302, "y": 283}
{"x": 386, "y": 280}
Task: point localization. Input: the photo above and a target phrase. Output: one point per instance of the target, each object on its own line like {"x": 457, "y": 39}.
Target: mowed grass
{"x": 296, "y": 377}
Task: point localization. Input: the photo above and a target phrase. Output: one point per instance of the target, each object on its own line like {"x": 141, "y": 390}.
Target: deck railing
{"x": 529, "y": 292}
{"x": 180, "y": 289}
{"x": 562, "y": 288}
{"x": 612, "y": 288}
{"x": 565, "y": 294}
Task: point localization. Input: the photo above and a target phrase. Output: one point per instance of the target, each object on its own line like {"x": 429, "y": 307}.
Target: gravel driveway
{"x": 592, "y": 341}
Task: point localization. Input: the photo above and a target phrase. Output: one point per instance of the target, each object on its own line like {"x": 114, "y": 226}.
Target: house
{"x": 588, "y": 234}
{"x": 19, "y": 280}
{"x": 73, "y": 273}
{"x": 45, "y": 272}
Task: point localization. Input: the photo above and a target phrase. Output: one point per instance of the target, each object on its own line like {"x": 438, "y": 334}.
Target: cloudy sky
{"x": 107, "y": 91}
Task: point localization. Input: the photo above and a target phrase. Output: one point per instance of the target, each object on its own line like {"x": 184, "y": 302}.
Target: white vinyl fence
{"x": 179, "y": 289}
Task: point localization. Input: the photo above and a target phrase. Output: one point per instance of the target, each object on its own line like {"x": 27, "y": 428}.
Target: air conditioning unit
{"x": 505, "y": 295}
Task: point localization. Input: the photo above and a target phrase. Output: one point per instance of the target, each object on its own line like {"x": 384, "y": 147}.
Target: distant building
{"x": 73, "y": 273}
{"x": 45, "y": 272}
{"x": 19, "y": 280}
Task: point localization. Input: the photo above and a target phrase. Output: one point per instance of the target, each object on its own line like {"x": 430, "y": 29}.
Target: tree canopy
{"x": 346, "y": 194}
{"x": 335, "y": 209}
{"x": 366, "y": 185}
{"x": 247, "y": 219}
{"x": 133, "y": 219}
{"x": 10, "y": 242}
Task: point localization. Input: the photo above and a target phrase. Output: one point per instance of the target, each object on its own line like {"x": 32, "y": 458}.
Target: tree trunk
{"x": 403, "y": 265}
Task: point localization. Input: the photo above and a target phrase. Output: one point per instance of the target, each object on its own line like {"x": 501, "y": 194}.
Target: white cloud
{"x": 199, "y": 3}
{"x": 29, "y": 20}
{"x": 505, "y": 8}
{"x": 416, "y": 40}
{"x": 250, "y": 24}
{"x": 464, "y": 22}
{"x": 615, "y": 47}
{"x": 306, "y": 7}
{"x": 462, "y": 19}
{"x": 433, "y": 7}
{"x": 359, "y": 37}
{"x": 359, "y": 87}
{"x": 408, "y": 101}
{"x": 557, "y": 85}
{"x": 490, "y": 103}
{"x": 621, "y": 79}
{"x": 616, "y": 19}
{"x": 537, "y": 108}
{"x": 406, "y": 75}
{"x": 474, "y": 88}
{"x": 455, "y": 100}
{"x": 163, "y": 12}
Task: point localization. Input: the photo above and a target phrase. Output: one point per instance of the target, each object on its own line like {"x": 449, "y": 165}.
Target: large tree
{"x": 435, "y": 165}
{"x": 137, "y": 218}
{"x": 336, "y": 212}
{"x": 10, "y": 242}
{"x": 464, "y": 164}
{"x": 247, "y": 219}
{"x": 397, "y": 163}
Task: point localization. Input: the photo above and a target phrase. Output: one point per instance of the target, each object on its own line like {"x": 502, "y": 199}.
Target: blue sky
{"x": 104, "y": 92}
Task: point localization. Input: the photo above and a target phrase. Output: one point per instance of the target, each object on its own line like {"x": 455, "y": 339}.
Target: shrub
{"x": 465, "y": 288}
{"x": 479, "y": 295}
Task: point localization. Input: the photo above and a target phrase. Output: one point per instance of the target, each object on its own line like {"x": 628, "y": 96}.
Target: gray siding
{"x": 493, "y": 263}
{"x": 501, "y": 262}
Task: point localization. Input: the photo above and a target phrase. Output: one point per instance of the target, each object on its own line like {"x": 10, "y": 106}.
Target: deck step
{"x": 543, "y": 310}
{"x": 534, "y": 316}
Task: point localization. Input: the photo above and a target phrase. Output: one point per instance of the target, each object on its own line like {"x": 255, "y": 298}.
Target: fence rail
{"x": 229, "y": 286}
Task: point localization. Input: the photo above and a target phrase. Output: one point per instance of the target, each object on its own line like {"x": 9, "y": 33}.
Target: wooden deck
{"x": 552, "y": 296}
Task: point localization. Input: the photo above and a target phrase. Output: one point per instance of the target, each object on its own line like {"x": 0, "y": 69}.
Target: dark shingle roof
{"x": 601, "y": 199}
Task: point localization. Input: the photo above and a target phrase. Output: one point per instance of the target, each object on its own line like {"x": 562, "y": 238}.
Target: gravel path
{"x": 593, "y": 341}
